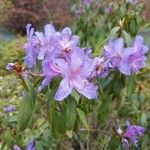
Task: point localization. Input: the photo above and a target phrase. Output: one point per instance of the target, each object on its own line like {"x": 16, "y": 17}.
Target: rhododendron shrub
{"x": 74, "y": 90}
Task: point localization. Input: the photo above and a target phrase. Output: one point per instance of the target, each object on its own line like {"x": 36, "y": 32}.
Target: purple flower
{"x": 10, "y": 66}
{"x": 66, "y": 42}
{"x": 31, "y": 47}
{"x": 108, "y": 10}
{"x": 75, "y": 74}
{"x": 100, "y": 67}
{"x": 125, "y": 144}
{"x": 113, "y": 52}
{"x": 9, "y": 108}
{"x": 30, "y": 145}
{"x": 86, "y": 2}
{"x": 134, "y": 57}
{"x": 50, "y": 70}
{"x": 47, "y": 41}
{"x": 16, "y": 147}
{"x": 127, "y": 60}
{"x": 133, "y": 133}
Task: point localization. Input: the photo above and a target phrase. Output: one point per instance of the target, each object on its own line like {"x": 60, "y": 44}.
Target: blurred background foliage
{"x": 122, "y": 98}
{"x": 15, "y": 14}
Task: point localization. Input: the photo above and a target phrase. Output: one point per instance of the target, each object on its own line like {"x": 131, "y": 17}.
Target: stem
{"x": 101, "y": 90}
{"x": 59, "y": 106}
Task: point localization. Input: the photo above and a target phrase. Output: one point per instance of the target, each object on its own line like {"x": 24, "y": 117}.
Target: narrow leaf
{"x": 82, "y": 117}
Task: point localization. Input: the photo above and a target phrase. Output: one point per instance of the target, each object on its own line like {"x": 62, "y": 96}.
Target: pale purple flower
{"x": 127, "y": 60}
{"x": 47, "y": 41}
{"x": 31, "y": 47}
{"x": 100, "y": 67}
{"x": 133, "y": 133}
{"x": 50, "y": 70}
{"x": 66, "y": 42}
{"x": 138, "y": 45}
{"x": 16, "y": 147}
{"x": 125, "y": 144}
{"x": 9, "y": 108}
{"x": 86, "y": 2}
{"x": 108, "y": 10}
{"x": 113, "y": 52}
{"x": 10, "y": 66}
{"x": 75, "y": 74}
{"x": 134, "y": 57}
{"x": 30, "y": 145}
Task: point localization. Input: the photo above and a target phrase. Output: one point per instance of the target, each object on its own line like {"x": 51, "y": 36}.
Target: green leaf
{"x": 130, "y": 85}
{"x": 114, "y": 31}
{"x": 145, "y": 26}
{"x": 104, "y": 108}
{"x": 55, "y": 124}
{"x": 8, "y": 139}
{"x": 127, "y": 37}
{"x": 128, "y": 110}
{"x": 82, "y": 117}
{"x": 70, "y": 113}
{"x": 143, "y": 119}
{"x": 25, "y": 112}
{"x": 69, "y": 133}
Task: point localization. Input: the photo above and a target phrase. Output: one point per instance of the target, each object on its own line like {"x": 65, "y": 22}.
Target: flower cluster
{"x": 132, "y": 134}
{"x": 60, "y": 55}
{"x": 126, "y": 60}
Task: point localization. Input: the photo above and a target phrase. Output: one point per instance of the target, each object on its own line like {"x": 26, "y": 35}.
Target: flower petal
{"x": 49, "y": 30}
{"x": 119, "y": 44}
{"x": 45, "y": 83}
{"x": 86, "y": 88}
{"x": 124, "y": 68}
{"x": 63, "y": 91}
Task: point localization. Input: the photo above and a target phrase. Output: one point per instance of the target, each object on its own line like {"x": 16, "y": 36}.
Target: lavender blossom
{"x": 133, "y": 133}
{"x": 66, "y": 42}
{"x": 16, "y": 147}
{"x": 10, "y": 66}
{"x": 30, "y": 145}
{"x": 75, "y": 74}
{"x": 100, "y": 67}
{"x": 31, "y": 47}
{"x": 125, "y": 144}
{"x": 108, "y": 10}
{"x": 9, "y": 108}
{"x": 134, "y": 57}
{"x": 47, "y": 40}
{"x": 127, "y": 60}
{"x": 50, "y": 70}
{"x": 113, "y": 52}
{"x": 87, "y": 2}
{"x": 60, "y": 55}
